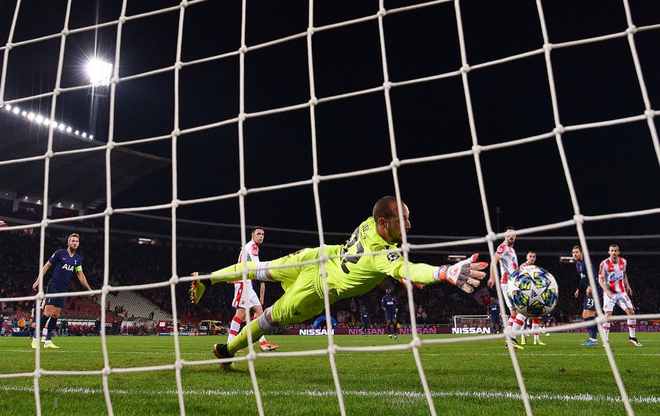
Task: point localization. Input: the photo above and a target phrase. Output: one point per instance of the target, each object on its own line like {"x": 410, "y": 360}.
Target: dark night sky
{"x": 614, "y": 169}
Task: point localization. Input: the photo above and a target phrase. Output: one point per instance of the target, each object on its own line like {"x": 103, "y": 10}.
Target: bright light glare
{"x": 99, "y": 72}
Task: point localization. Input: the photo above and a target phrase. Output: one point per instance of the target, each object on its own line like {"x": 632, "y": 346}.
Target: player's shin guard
{"x": 632, "y": 325}
{"x": 535, "y": 328}
{"x": 43, "y": 323}
{"x": 592, "y": 329}
{"x": 234, "y": 328}
{"x": 257, "y": 328}
{"x": 518, "y": 323}
{"x": 52, "y": 327}
{"x": 606, "y": 327}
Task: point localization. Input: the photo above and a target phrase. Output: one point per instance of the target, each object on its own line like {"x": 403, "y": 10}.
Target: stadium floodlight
{"x": 99, "y": 72}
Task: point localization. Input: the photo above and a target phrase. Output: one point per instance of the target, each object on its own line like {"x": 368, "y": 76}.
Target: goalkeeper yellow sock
{"x": 234, "y": 273}
{"x": 241, "y": 340}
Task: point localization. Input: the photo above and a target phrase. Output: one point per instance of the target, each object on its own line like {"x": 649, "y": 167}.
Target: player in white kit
{"x": 613, "y": 279}
{"x": 247, "y": 294}
{"x": 505, "y": 255}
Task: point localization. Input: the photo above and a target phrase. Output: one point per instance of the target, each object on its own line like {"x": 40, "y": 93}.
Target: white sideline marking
{"x": 326, "y": 393}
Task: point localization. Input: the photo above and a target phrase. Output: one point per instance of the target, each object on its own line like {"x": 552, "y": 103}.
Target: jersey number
{"x": 347, "y": 257}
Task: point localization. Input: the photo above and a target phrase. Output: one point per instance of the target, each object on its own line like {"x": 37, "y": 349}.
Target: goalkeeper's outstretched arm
{"x": 466, "y": 274}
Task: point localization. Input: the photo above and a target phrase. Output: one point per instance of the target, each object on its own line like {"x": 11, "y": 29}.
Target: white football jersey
{"x": 508, "y": 261}
{"x": 613, "y": 274}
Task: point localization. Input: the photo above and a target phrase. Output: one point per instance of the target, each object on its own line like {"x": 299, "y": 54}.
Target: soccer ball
{"x": 532, "y": 291}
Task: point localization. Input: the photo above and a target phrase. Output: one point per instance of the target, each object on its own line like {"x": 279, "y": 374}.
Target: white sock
{"x": 632, "y": 324}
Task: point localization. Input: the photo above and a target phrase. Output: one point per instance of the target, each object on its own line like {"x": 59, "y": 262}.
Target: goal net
{"x": 299, "y": 116}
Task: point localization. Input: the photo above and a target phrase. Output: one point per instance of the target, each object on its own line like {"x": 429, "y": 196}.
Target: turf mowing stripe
{"x": 391, "y": 393}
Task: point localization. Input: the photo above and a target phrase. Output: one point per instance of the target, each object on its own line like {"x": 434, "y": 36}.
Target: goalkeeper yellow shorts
{"x": 301, "y": 300}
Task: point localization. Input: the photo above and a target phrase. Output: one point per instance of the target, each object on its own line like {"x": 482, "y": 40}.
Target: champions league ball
{"x": 532, "y": 291}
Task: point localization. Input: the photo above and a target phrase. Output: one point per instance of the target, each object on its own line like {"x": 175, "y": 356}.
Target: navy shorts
{"x": 589, "y": 304}
{"x": 56, "y": 302}
{"x": 390, "y": 316}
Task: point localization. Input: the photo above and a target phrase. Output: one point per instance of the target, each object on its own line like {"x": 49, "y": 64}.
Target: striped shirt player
{"x": 247, "y": 296}
{"x": 505, "y": 256}
{"x": 64, "y": 263}
{"x": 391, "y": 307}
{"x": 613, "y": 279}
{"x": 352, "y": 269}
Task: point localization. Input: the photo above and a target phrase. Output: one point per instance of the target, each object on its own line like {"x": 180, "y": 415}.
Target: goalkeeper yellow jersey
{"x": 353, "y": 270}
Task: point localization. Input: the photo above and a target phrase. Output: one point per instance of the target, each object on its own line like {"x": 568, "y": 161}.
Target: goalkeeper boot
{"x": 590, "y": 342}
{"x": 267, "y": 346}
{"x": 197, "y": 289}
{"x": 34, "y": 343}
{"x": 633, "y": 341}
{"x": 220, "y": 352}
{"x": 538, "y": 342}
{"x": 51, "y": 345}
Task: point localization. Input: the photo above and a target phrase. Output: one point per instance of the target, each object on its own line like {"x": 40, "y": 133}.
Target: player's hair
{"x": 531, "y": 251}
{"x": 614, "y": 245}
{"x": 255, "y": 228}
{"x": 385, "y": 208}
{"x": 71, "y": 236}
{"x": 509, "y": 228}
{"x": 578, "y": 247}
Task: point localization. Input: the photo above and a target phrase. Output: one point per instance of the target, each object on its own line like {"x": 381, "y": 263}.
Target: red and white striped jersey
{"x": 249, "y": 253}
{"x": 613, "y": 274}
{"x": 508, "y": 261}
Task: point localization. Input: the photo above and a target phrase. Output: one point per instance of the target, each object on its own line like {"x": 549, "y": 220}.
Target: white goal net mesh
{"x": 540, "y": 113}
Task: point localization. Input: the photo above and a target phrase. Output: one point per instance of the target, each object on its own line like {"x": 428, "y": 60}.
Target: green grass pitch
{"x": 466, "y": 378}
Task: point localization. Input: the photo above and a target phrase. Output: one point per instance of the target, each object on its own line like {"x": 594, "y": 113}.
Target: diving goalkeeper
{"x": 352, "y": 269}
